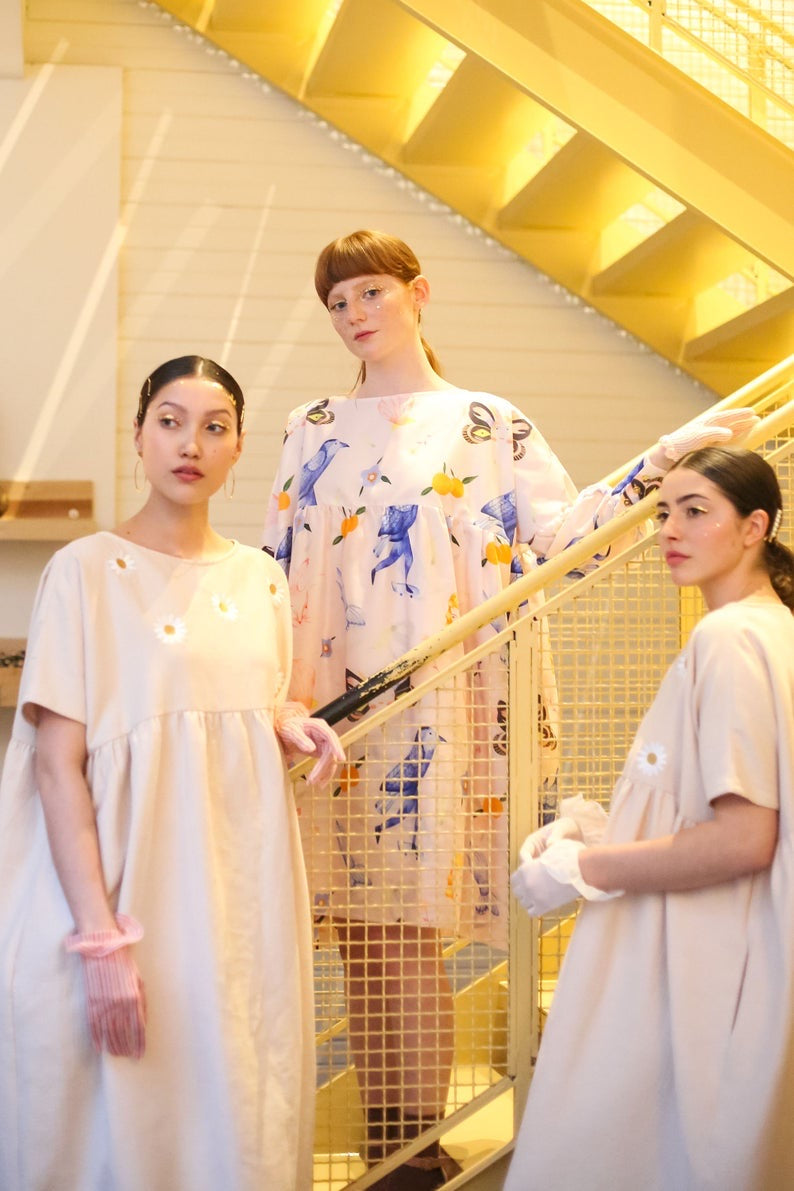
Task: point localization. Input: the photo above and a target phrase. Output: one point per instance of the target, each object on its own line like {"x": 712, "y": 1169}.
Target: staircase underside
{"x": 564, "y": 139}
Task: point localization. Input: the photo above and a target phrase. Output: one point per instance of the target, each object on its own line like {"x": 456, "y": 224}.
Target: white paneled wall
{"x": 229, "y": 192}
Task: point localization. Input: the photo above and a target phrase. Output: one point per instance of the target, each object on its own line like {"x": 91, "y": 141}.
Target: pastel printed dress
{"x": 391, "y": 517}
{"x": 668, "y": 1056}
{"x": 175, "y": 667}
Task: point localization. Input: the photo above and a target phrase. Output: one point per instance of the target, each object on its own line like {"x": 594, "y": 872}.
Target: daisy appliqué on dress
{"x": 651, "y": 759}
{"x": 120, "y": 564}
{"x": 276, "y": 594}
{"x": 225, "y": 607}
{"x": 170, "y": 629}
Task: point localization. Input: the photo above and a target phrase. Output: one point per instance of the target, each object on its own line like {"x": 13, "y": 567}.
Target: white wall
{"x": 229, "y": 190}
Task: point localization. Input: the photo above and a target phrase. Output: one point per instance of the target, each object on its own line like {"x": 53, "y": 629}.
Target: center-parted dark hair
{"x": 365, "y": 252}
{"x": 189, "y": 366}
{"x": 749, "y": 483}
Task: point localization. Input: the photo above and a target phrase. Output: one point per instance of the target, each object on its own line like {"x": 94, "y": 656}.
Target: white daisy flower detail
{"x": 652, "y": 759}
{"x": 121, "y": 563}
{"x": 276, "y": 594}
{"x": 225, "y": 607}
{"x": 171, "y": 630}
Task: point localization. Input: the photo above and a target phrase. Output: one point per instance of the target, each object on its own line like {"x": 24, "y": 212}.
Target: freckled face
{"x": 376, "y": 315}
{"x": 189, "y": 440}
{"x": 702, "y": 536}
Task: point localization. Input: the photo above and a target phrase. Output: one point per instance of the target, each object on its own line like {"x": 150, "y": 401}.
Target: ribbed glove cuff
{"x": 97, "y": 944}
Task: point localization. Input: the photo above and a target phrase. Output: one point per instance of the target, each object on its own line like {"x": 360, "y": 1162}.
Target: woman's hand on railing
{"x": 307, "y": 734}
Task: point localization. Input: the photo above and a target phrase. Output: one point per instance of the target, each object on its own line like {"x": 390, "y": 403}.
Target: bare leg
{"x": 400, "y": 1025}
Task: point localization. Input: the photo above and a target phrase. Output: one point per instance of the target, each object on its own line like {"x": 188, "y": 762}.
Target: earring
{"x": 136, "y": 479}
{"x": 226, "y": 492}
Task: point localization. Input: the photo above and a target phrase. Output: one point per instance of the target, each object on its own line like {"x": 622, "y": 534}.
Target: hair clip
{"x": 772, "y": 535}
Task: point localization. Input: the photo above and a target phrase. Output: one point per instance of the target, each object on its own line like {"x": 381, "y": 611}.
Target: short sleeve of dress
{"x": 282, "y": 506}
{"x": 735, "y": 714}
{"x": 278, "y": 594}
{"x": 53, "y": 674}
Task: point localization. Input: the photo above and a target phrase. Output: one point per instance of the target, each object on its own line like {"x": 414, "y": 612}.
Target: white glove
{"x": 580, "y": 819}
{"x": 589, "y": 816}
{"x": 538, "y": 891}
{"x": 304, "y": 733}
{"x": 563, "y": 828}
{"x": 561, "y": 861}
{"x": 716, "y": 429}
{"x": 554, "y": 878}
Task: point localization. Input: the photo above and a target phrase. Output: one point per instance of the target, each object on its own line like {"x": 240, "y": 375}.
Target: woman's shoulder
{"x": 82, "y": 551}
{"x": 763, "y": 625}
{"x": 259, "y": 563}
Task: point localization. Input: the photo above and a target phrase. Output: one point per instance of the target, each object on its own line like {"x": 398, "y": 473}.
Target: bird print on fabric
{"x": 503, "y": 509}
{"x": 399, "y": 804}
{"x": 313, "y": 468}
{"x": 353, "y": 614}
{"x": 480, "y": 868}
{"x": 356, "y": 870}
{"x": 394, "y": 526}
{"x": 284, "y": 550}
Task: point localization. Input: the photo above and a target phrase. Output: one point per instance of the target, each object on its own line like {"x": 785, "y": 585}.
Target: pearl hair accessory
{"x": 772, "y": 535}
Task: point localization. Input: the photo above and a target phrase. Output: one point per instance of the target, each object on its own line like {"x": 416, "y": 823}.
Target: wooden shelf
{"x": 10, "y": 675}
{"x": 46, "y": 510}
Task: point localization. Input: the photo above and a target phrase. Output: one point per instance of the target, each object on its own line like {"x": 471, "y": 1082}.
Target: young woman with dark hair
{"x": 668, "y": 1057}
{"x": 156, "y": 995}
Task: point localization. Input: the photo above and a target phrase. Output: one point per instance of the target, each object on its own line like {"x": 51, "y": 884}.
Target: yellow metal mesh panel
{"x": 409, "y": 853}
{"x": 742, "y": 52}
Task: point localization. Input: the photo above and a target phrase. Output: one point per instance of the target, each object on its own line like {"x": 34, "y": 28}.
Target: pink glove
{"x": 114, "y": 990}
{"x": 716, "y": 429}
{"x": 300, "y": 731}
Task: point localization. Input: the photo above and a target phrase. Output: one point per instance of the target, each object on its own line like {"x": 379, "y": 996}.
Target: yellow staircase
{"x": 565, "y": 139}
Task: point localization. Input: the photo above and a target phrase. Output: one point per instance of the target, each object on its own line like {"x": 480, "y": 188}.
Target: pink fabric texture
{"x": 114, "y": 989}
{"x": 298, "y": 730}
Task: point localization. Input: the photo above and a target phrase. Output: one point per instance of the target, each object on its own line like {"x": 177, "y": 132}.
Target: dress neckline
{"x": 199, "y": 562}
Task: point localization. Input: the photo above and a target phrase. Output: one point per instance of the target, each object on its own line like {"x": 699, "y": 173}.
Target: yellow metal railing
{"x": 741, "y": 51}
{"x": 569, "y": 683}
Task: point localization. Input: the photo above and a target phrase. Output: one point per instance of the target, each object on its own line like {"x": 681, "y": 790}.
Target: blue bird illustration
{"x": 394, "y": 526}
{"x": 478, "y": 863}
{"x": 355, "y": 868}
{"x": 284, "y": 550}
{"x": 503, "y": 509}
{"x": 313, "y": 468}
{"x": 353, "y": 614}
{"x": 399, "y": 805}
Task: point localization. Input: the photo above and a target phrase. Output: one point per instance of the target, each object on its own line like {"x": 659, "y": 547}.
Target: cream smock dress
{"x": 667, "y": 1063}
{"x": 175, "y": 667}
{"x": 392, "y": 517}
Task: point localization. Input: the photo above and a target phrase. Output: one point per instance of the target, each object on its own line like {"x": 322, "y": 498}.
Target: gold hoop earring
{"x": 136, "y": 479}
{"x": 226, "y": 492}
